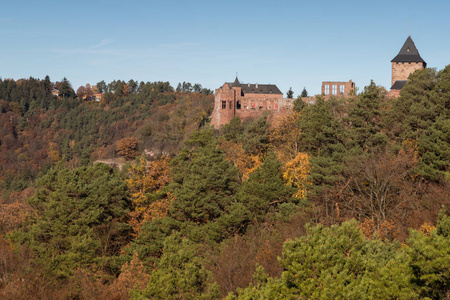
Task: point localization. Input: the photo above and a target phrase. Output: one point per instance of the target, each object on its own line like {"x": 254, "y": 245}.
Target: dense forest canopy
{"x": 346, "y": 198}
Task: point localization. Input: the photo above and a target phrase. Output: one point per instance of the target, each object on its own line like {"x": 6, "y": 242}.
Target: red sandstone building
{"x": 338, "y": 88}
{"x": 248, "y": 101}
{"x": 406, "y": 62}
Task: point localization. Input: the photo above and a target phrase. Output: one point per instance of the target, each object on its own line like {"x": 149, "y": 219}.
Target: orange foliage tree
{"x": 132, "y": 275}
{"x": 146, "y": 178}
{"x": 127, "y": 147}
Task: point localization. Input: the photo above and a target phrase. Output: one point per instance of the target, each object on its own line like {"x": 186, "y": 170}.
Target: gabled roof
{"x": 260, "y": 89}
{"x": 255, "y": 88}
{"x": 408, "y": 53}
{"x": 399, "y": 84}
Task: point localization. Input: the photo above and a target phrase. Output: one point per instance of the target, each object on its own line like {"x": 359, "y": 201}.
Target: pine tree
{"x": 264, "y": 190}
{"x": 364, "y": 119}
{"x": 179, "y": 274}
{"x": 78, "y": 218}
{"x": 204, "y": 182}
{"x": 304, "y": 93}
{"x": 290, "y": 93}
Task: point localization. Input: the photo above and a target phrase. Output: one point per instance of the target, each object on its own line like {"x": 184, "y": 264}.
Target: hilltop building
{"x": 251, "y": 101}
{"x": 406, "y": 62}
{"x": 338, "y": 88}
{"x": 248, "y": 101}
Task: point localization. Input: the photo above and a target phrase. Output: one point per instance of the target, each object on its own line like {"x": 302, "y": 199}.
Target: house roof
{"x": 256, "y": 88}
{"x": 399, "y": 84}
{"x": 408, "y": 53}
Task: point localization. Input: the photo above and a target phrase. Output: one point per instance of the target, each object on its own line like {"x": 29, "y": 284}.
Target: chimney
{"x": 256, "y": 85}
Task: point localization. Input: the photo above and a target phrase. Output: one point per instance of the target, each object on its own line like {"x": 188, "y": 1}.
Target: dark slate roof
{"x": 399, "y": 84}
{"x": 250, "y": 88}
{"x": 260, "y": 89}
{"x": 408, "y": 53}
{"x": 236, "y": 83}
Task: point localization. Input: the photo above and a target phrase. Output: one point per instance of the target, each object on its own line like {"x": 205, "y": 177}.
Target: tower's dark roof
{"x": 399, "y": 84}
{"x": 408, "y": 53}
{"x": 256, "y": 88}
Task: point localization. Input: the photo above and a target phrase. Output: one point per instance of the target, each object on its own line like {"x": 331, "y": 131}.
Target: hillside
{"x": 346, "y": 198}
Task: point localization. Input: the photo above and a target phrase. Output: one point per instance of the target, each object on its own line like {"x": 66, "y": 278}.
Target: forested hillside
{"x": 346, "y": 198}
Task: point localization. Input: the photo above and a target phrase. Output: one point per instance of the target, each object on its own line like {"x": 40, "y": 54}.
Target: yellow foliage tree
{"x": 296, "y": 172}
{"x": 145, "y": 178}
{"x": 235, "y": 154}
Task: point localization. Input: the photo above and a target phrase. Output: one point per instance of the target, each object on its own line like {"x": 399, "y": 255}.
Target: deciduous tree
{"x": 128, "y": 147}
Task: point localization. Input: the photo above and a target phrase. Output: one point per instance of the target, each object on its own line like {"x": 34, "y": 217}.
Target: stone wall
{"x": 394, "y": 93}
{"x": 402, "y": 70}
{"x": 338, "y": 88}
{"x": 230, "y": 101}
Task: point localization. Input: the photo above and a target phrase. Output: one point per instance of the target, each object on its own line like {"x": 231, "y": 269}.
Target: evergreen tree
{"x": 179, "y": 274}
{"x": 264, "y": 190}
{"x": 299, "y": 104}
{"x": 290, "y": 93}
{"x": 256, "y": 136}
{"x": 204, "y": 182}
{"x": 337, "y": 263}
{"x": 420, "y": 115}
{"x": 304, "y": 93}
{"x": 364, "y": 119}
{"x": 79, "y": 218}
{"x": 323, "y": 139}
{"x": 65, "y": 89}
{"x": 430, "y": 259}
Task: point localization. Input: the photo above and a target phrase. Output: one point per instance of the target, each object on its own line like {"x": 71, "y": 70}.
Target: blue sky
{"x": 288, "y": 43}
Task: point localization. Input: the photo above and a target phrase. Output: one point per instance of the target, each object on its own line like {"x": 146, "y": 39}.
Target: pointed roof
{"x": 236, "y": 83}
{"x": 408, "y": 53}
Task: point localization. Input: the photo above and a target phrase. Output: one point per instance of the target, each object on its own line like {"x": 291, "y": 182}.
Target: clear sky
{"x": 288, "y": 43}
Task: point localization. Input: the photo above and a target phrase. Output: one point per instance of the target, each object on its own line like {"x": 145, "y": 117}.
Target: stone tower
{"x": 406, "y": 62}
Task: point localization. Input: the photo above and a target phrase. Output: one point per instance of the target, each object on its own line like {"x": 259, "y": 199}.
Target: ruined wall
{"x": 338, "y": 88}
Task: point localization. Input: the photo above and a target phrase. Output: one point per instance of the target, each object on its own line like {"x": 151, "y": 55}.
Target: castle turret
{"x": 406, "y": 62}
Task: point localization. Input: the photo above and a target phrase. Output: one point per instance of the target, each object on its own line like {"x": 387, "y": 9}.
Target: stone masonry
{"x": 402, "y": 70}
{"x": 248, "y": 101}
{"x": 404, "y": 64}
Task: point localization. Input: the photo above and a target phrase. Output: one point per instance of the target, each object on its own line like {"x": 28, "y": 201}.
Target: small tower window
{"x": 224, "y": 104}
{"x": 238, "y": 105}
